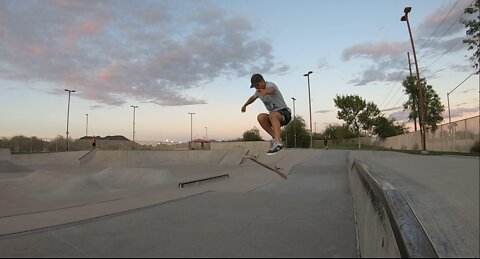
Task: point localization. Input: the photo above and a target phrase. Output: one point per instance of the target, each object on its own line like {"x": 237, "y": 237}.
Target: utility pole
{"x": 416, "y": 106}
{"x": 421, "y": 116}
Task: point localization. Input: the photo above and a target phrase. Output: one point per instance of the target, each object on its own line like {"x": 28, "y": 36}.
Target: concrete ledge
{"x": 387, "y": 225}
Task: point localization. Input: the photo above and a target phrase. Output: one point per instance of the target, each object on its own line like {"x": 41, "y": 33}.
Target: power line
{"x": 393, "y": 96}
{"x": 444, "y": 18}
{"x": 462, "y": 82}
{"x": 448, "y": 50}
{"x": 396, "y": 81}
{"x": 455, "y": 22}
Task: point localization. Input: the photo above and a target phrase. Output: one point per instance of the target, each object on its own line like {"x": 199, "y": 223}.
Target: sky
{"x": 172, "y": 58}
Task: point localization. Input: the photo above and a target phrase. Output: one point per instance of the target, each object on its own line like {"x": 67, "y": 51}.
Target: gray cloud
{"x": 388, "y": 58}
{"x": 323, "y": 64}
{"x": 460, "y": 112}
{"x": 375, "y": 75}
{"x": 112, "y": 50}
{"x": 401, "y": 116}
{"x": 324, "y": 111}
{"x": 383, "y": 50}
{"x": 393, "y": 109}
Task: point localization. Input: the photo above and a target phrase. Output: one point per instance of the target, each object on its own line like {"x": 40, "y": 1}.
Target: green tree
{"x": 473, "y": 31}
{"x": 302, "y": 135}
{"x": 368, "y": 115}
{"x": 58, "y": 144}
{"x": 350, "y": 108}
{"x": 384, "y": 127}
{"x": 356, "y": 112}
{"x": 338, "y": 132}
{"x": 432, "y": 105}
{"x": 252, "y": 135}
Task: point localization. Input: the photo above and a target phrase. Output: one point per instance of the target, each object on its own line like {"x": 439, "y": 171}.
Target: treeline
{"x": 22, "y": 144}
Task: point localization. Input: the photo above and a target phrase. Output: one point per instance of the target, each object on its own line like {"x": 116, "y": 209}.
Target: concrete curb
{"x": 388, "y": 227}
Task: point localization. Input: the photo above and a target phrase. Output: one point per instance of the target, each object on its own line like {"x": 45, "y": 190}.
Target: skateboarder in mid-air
{"x": 279, "y": 114}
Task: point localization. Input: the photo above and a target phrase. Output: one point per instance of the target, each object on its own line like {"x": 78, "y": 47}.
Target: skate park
{"x": 217, "y": 203}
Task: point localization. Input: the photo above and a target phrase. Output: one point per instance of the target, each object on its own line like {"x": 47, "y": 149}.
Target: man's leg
{"x": 264, "y": 121}
{"x": 275, "y": 118}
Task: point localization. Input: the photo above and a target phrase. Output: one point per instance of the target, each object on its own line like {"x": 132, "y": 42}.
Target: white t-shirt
{"x": 273, "y": 102}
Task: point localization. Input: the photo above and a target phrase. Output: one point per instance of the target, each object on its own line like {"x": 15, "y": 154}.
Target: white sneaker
{"x": 275, "y": 148}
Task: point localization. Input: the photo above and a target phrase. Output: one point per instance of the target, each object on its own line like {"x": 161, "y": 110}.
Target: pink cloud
{"x": 38, "y": 51}
{"x": 89, "y": 27}
{"x": 105, "y": 75}
{"x": 374, "y": 51}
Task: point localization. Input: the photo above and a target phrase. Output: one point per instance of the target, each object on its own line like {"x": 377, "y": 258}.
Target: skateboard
{"x": 275, "y": 169}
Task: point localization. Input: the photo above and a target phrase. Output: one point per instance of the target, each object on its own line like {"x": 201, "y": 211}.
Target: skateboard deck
{"x": 275, "y": 169}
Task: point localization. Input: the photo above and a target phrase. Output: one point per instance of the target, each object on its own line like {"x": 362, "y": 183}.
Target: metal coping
{"x": 180, "y": 185}
{"x": 411, "y": 238}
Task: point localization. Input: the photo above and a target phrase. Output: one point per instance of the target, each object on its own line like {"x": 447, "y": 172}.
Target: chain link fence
{"x": 459, "y": 136}
{"x": 22, "y": 144}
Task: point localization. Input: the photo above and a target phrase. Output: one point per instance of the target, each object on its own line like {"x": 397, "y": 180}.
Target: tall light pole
{"x": 421, "y": 116}
{"x": 294, "y": 122}
{"x": 206, "y": 133}
{"x": 448, "y": 96}
{"x": 310, "y": 107}
{"x": 86, "y": 127}
{"x": 134, "y": 107}
{"x": 191, "y": 128}
{"x": 68, "y": 111}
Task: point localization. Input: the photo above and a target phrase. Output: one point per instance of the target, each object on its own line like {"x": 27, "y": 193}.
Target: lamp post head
{"x": 293, "y": 99}
{"x": 407, "y": 10}
{"x": 307, "y": 74}
{"x": 404, "y": 18}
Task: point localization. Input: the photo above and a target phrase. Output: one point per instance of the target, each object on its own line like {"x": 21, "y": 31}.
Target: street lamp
{"x": 294, "y": 130}
{"x": 448, "y": 96}
{"x": 206, "y": 133}
{"x": 191, "y": 128}
{"x": 134, "y": 107}
{"x": 68, "y": 111}
{"x": 421, "y": 116}
{"x": 86, "y": 128}
{"x": 310, "y": 107}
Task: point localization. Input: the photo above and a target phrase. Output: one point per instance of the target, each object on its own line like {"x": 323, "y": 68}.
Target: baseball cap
{"x": 255, "y": 79}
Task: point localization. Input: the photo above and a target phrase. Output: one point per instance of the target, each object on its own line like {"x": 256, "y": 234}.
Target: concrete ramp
{"x": 285, "y": 159}
{"x": 5, "y": 154}
{"x": 60, "y": 158}
{"x": 88, "y": 156}
{"x": 156, "y": 158}
{"x": 234, "y": 156}
{"x": 132, "y": 178}
{"x": 7, "y": 166}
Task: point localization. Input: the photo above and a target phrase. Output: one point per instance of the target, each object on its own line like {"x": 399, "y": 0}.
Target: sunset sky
{"x": 175, "y": 57}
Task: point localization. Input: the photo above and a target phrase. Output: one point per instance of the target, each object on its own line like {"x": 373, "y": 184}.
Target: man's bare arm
{"x": 249, "y": 101}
